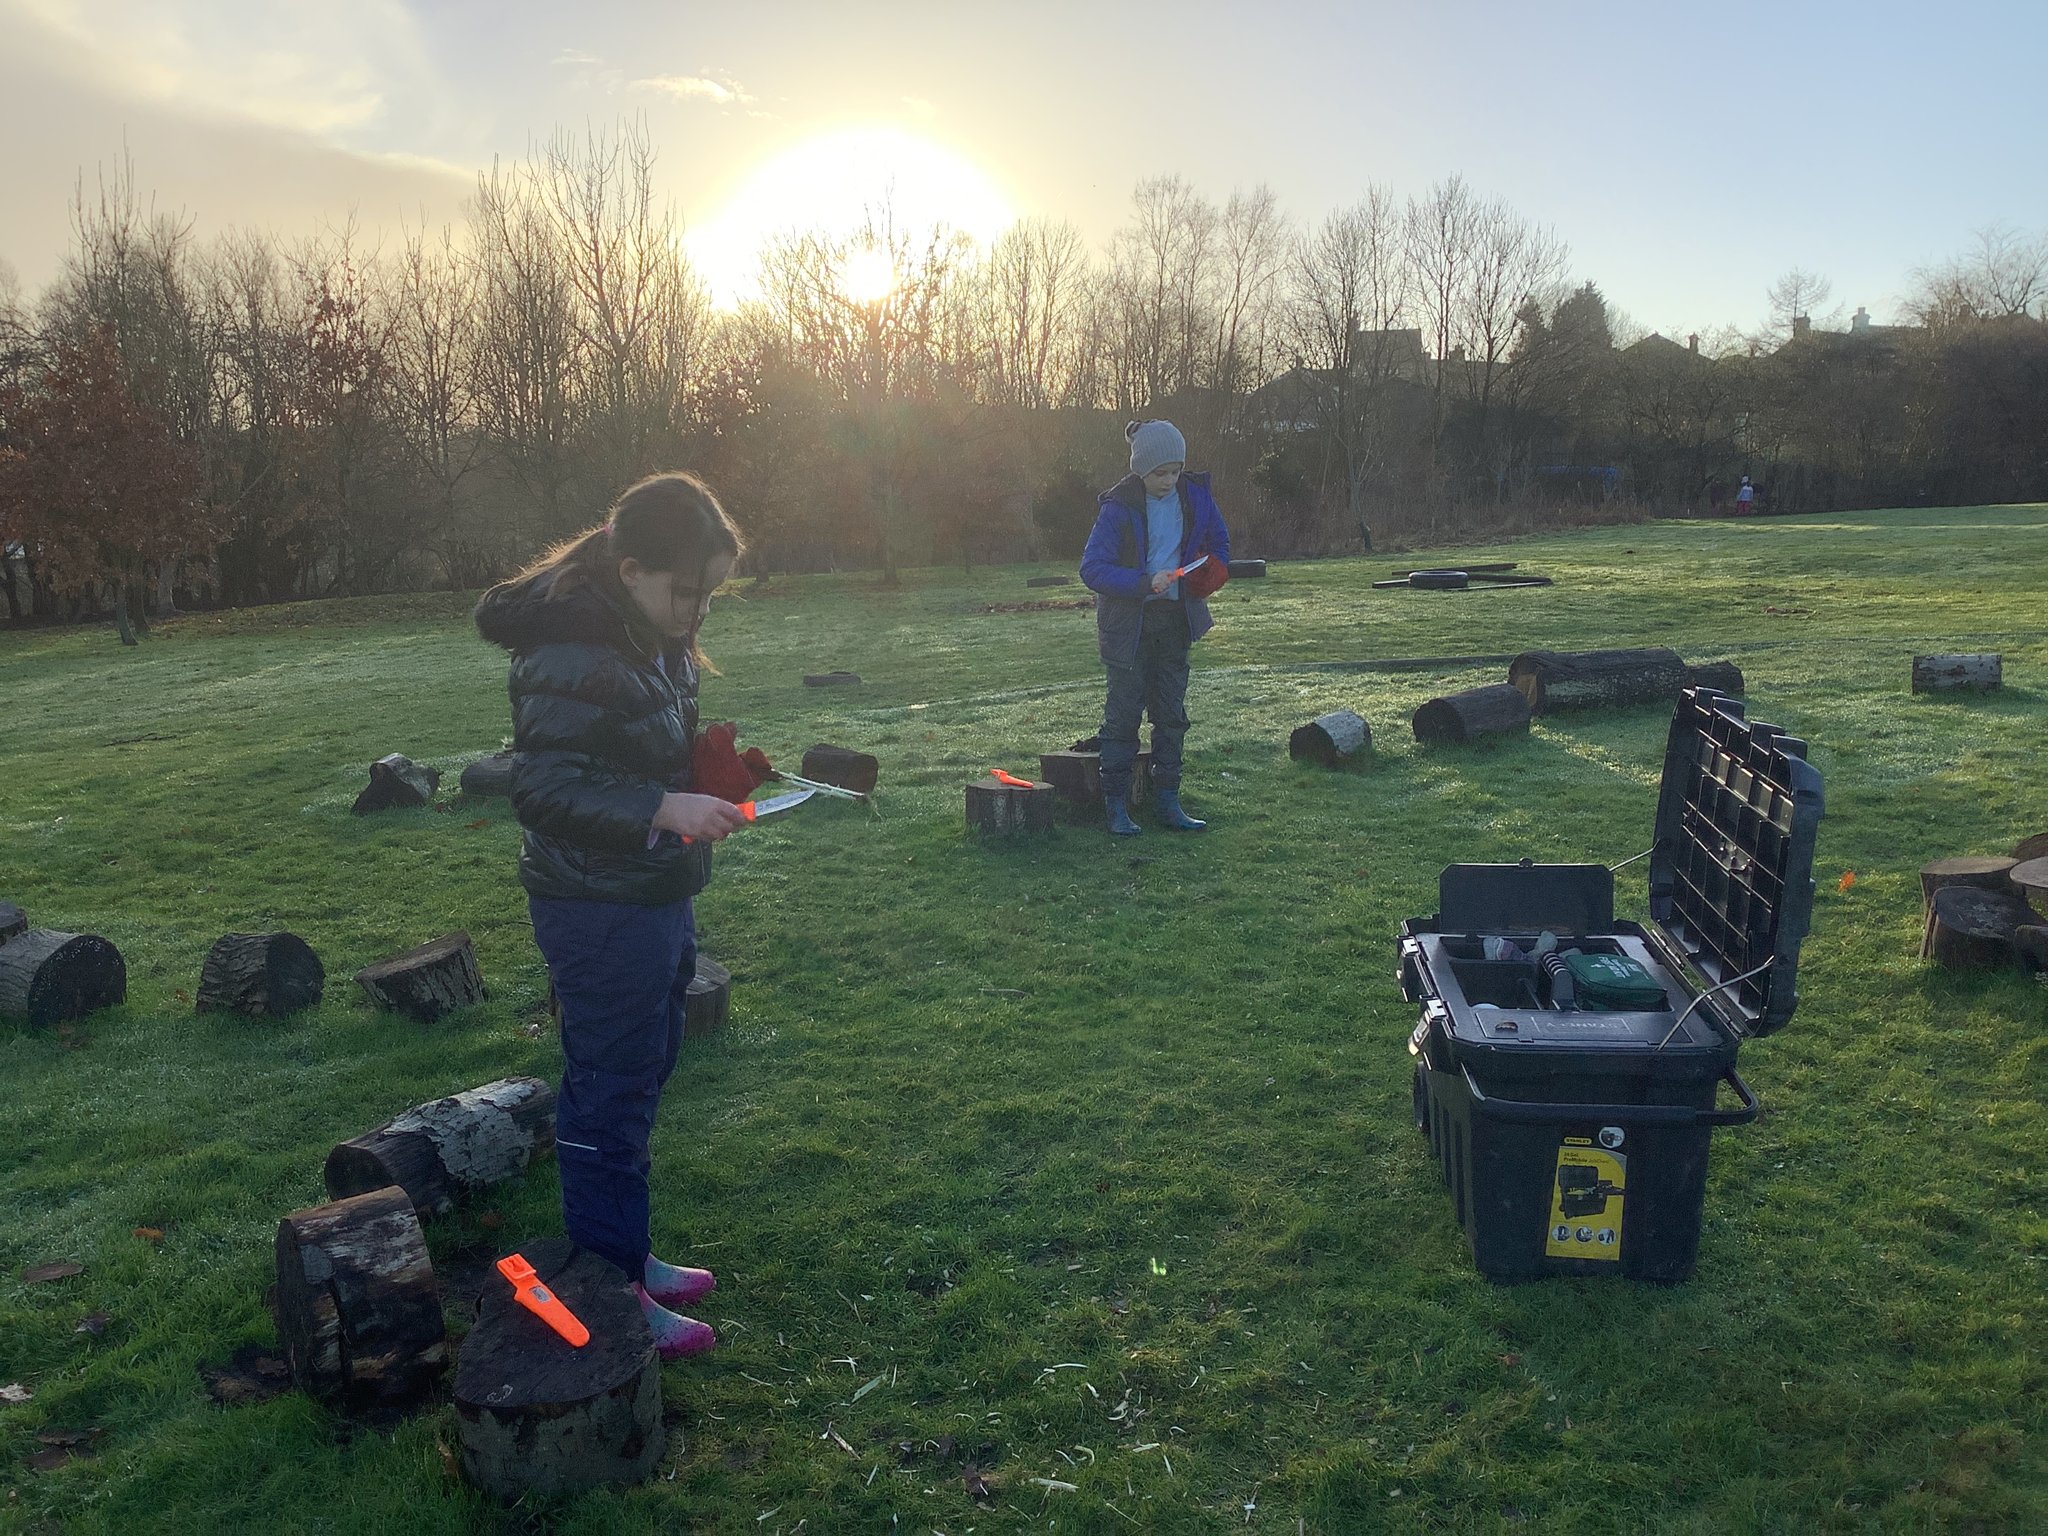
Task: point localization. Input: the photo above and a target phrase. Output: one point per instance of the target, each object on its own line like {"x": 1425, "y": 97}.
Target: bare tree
{"x": 430, "y": 388}
{"x": 2005, "y": 275}
{"x": 1438, "y": 237}
{"x": 1031, "y": 295}
{"x": 1795, "y": 297}
{"x": 1159, "y": 283}
{"x": 1509, "y": 262}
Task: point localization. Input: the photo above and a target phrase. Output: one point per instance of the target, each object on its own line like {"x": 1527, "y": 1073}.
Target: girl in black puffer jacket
{"x": 603, "y": 636}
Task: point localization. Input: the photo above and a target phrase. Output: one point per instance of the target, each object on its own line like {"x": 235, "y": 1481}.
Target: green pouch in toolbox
{"x": 1614, "y": 981}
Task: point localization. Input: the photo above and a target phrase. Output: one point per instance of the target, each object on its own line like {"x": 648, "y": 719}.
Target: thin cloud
{"x": 720, "y": 93}
{"x": 575, "y": 56}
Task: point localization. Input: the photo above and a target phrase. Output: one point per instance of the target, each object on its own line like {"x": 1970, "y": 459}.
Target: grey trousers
{"x": 1156, "y": 684}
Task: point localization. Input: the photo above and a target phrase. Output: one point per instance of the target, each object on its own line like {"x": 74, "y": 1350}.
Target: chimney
{"x": 1692, "y": 342}
{"x": 1860, "y": 321}
{"x": 1801, "y": 326}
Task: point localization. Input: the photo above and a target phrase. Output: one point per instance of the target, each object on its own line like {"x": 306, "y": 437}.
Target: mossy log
{"x": 538, "y": 1415}
{"x": 449, "y": 1149}
{"x": 48, "y": 977}
{"x": 357, "y": 1308}
{"x": 1339, "y": 739}
{"x": 1966, "y": 672}
{"x": 260, "y": 974}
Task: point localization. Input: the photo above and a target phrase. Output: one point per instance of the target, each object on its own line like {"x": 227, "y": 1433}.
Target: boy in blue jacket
{"x": 1150, "y": 526}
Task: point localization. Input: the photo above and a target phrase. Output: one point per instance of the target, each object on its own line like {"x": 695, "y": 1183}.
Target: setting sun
{"x": 869, "y": 275}
{"x": 829, "y": 185}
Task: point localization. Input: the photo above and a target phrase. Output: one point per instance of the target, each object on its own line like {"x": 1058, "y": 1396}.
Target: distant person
{"x": 1154, "y": 522}
{"x": 603, "y": 636}
{"x": 1745, "y": 498}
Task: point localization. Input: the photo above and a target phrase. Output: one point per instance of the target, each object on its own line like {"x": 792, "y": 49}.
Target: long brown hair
{"x": 670, "y": 523}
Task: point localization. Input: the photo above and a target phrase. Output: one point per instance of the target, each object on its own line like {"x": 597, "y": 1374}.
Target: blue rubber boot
{"x": 1167, "y": 803}
{"x": 1119, "y": 809}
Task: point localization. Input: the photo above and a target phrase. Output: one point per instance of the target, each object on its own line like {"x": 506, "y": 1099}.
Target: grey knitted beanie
{"x": 1154, "y": 443}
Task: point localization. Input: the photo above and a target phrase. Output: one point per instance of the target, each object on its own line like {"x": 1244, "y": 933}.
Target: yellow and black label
{"x": 1585, "y": 1201}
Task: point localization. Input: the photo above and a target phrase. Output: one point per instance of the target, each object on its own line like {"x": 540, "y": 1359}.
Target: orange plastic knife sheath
{"x": 1009, "y": 778}
{"x": 540, "y": 1301}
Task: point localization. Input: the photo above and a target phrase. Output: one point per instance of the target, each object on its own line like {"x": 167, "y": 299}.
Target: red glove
{"x": 716, "y": 768}
{"x": 1205, "y": 578}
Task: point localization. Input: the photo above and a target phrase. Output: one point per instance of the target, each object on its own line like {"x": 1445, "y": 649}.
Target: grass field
{"x": 1075, "y": 1161}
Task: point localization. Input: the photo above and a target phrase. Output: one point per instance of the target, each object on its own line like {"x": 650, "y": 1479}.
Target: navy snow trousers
{"x": 622, "y": 973}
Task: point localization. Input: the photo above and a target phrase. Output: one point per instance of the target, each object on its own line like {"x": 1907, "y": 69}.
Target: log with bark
{"x": 436, "y": 978}
{"x": 842, "y": 766}
{"x": 49, "y": 977}
{"x": 1340, "y": 739}
{"x": 397, "y": 781}
{"x": 1000, "y": 809}
{"x": 1499, "y": 709}
{"x": 1943, "y": 674}
{"x": 709, "y": 1000}
{"x": 1980, "y": 871}
{"x": 1564, "y": 680}
{"x": 357, "y": 1308}
{"x": 449, "y": 1149}
{"x": 1243, "y": 568}
{"x": 1723, "y": 677}
{"x": 13, "y": 921}
{"x": 260, "y": 974}
{"x": 489, "y": 777}
{"x": 1076, "y": 774}
{"x": 540, "y": 1416}
{"x": 1976, "y": 928}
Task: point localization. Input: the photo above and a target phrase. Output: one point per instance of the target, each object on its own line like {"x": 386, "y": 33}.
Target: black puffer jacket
{"x": 604, "y": 714}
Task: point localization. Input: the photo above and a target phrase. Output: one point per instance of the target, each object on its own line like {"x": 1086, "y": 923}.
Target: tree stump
{"x": 1561, "y": 680}
{"x": 538, "y": 1416}
{"x": 1077, "y": 774}
{"x": 1499, "y": 709}
{"x": 489, "y": 777}
{"x": 1723, "y": 677}
{"x": 1975, "y": 928}
{"x": 2035, "y": 847}
{"x": 1339, "y": 739}
{"x": 13, "y": 921}
{"x": 1000, "y": 809}
{"x": 1984, "y": 873}
{"x": 260, "y": 974}
{"x": 397, "y": 781}
{"x": 357, "y": 1308}
{"x": 1943, "y": 674}
{"x": 442, "y": 1151}
{"x": 2030, "y": 881}
{"x": 2030, "y": 947}
{"x": 425, "y": 983}
{"x": 48, "y": 977}
{"x": 842, "y": 766}
{"x": 1246, "y": 568}
{"x": 1041, "y": 581}
{"x": 709, "y": 1000}
{"x": 831, "y": 679}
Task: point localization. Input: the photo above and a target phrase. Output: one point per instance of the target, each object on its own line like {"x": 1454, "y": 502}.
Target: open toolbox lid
{"x": 1731, "y": 870}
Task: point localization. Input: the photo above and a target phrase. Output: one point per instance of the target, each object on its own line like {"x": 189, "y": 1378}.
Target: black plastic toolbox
{"x": 1573, "y": 1140}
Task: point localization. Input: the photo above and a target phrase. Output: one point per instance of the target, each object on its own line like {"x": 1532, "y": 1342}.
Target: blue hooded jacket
{"x": 1113, "y": 564}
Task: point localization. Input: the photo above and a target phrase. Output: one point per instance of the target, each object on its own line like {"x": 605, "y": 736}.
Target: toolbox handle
{"x": 1525, "y": 1113}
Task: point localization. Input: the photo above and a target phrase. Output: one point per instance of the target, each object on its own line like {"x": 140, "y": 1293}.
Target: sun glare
{"x": 828, "y": 185}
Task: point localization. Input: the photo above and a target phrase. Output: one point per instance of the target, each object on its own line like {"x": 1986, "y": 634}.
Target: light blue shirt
{"x": 1162, "y": 540}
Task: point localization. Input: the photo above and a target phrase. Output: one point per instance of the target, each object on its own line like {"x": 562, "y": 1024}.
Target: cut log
{"x": 1000, "y": 809}
{"x": 2035, "y": 847}
{"x": 1499, "y": 709}
{"x": 13, "y": 921}
{"x": 357, "y": 1308}
{"x": 842, "y": 766}
{"x": 831, "y": 679}
{"x": 449, "y": 1149}
{"x": 539, "y": 1416}
{"x": 2030, "y": 881}
{"x": 1563, "y": 680}
{"x": 425, "y": 983}
{"x": 489, "y": 777}
{"x": 1979, "y": 871}
{"x": 397, "y": 781}
{"x": 1239, "y": 568}
{"x": 1976, "y": 928}
{"x": 1723, "y": 677}
{"x": 48, "y": 977}
{"x": 1340, "y": 739}
{"x": 1077, "y": 774}
{"x": 2030, "y": 947}
{"x": 709, "y": 1000}
{"x": 1047, "y": 581}
{"x": 1942, "y": 674}
{"x": 260, "y": 974}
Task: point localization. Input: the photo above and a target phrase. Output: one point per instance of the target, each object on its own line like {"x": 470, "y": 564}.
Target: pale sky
{"x": 1688, "y": 155}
